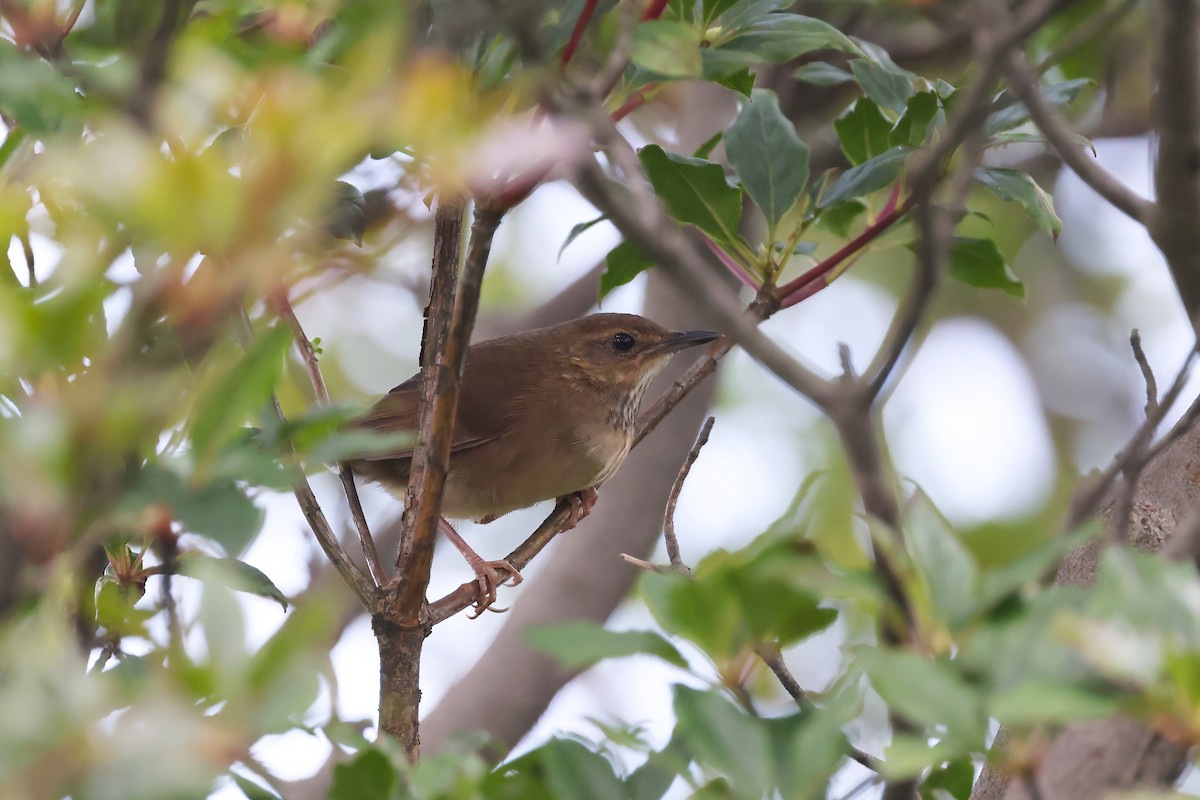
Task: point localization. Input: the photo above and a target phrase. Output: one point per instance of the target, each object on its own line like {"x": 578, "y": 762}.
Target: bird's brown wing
{"x": 490, "y": 380}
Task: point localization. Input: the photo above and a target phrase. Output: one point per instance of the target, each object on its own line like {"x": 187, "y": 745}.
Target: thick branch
{"x": 1177, "y": 173}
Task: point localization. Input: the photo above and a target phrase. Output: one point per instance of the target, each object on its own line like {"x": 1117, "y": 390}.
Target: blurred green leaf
{"x": 574, "y": 771}
{"x": 738, "y": 14}
{"x": 870, "y": 176}
{"x": 1020, "y": 187}
{"x": 929, "y": 693}
{"x": 888, "y": 88}
{"x": 818, "y": 73}
{"x": 116, "y": 611}
{"x": 768, "y": 156}
{"x": 651, "y": 780}
{"x": 695, "y": 191}
{"x": 580, "y": 644}
{"x": 1038, "y": 701}
{"x": 863, "y": 131}
{"x": 955, "y": 778}
{"x": 779, "y": 37}
{"x": 979, "y": 263}
{"x": 622, "y": 264}
{"x": 369, "y": 776}
{"x": 725, "y": 739}
{"x": 237, "y": 575}
{"x": 946, "y": 566}
{"x": 218, "y": 510}
{"x": 241, "y": 391}
{"x": 670, "y": 49}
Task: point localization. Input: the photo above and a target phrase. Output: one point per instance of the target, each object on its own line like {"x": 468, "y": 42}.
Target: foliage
{"x": 183, "y": 173}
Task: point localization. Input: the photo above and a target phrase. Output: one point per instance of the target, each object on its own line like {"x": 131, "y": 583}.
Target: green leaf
{"x": 580, "y": 644}
{"x": 768, "y": 156}
{"x": 888, "y": 88}
{"x": 651, "y": 780}
{"x": 218, "y": 510}
{"x": 573, "y": 770}
{"x": 913, "y": 127}
{"x": 818, "y": 73}
{"x": 929, "y": 693}
{"x": 708, "y": 615}
{"x": 240, "y": 392}
{"x": 946, "y": 566}
{"x": 235, "y": 574}
{"x": 1011, "y": 112}
{"x": 370, "y": 776}
{"x": 739, "y": 14}
{"x": 1015, "y": 186}
{"x": 1038, "y": 701}
{"x": 869, "y": 176}
{"x": 955, "y": 778}
{"x": 720, "y": 736}
{"x": 863, "y": 131}
{"x": 252, "y": 790}
{"x": 839, "y": 219}
{"x": 622, "y": 264}
{"x": 979, "y": 263}
{"x": 345, "y": 213}
{"x": 695, "y": 191}
{"x": 578, "y": 229}
{"x": 708, "y": 145}
{"x": 741, "y": 81}
{"x": 670, "y": 49}
{"x": 775, "y": 38}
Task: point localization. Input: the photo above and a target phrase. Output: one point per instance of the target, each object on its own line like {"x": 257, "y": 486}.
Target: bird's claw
{"x": 581, "y": 505}
{"x": 490, "y": 576}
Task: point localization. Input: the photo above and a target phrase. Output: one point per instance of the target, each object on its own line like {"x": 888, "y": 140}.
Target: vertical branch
{"x": 403, "y": 623}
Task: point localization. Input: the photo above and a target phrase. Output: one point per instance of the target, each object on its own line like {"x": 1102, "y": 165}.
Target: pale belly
{"x": 494, "y": 480}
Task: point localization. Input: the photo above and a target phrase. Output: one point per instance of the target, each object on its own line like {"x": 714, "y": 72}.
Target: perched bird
{"x": 545, "y": 414}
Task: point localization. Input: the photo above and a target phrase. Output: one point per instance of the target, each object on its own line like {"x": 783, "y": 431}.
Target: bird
{"x": 544, "y": 414}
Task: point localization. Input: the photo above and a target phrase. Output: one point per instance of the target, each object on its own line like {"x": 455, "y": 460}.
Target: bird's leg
{"x": 581, "y": 505}
{"x": 489, "y": 575}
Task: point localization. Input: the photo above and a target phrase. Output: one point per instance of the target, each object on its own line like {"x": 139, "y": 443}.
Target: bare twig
{"x": 673, "y": 498}
{"x": 1054, "y": 128}
{"x": 351, "y": 573}
{"x": 27, "y": 249}
{"x": 1139, "y": 355}
{"x": 308, "y": 355}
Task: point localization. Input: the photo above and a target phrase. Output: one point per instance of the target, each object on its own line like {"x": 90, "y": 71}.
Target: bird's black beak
{"x": 678, "y": 341}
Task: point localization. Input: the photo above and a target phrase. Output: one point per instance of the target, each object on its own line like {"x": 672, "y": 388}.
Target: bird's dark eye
{"x": 623, "y": 342}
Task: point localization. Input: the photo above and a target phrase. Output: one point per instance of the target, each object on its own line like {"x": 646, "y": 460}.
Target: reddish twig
{"x": 793, "y": 292}
{"x": 635, "y": 101}
{"x": 585, "y": 16}
{"x": 655, "y": 10}
{"x": 731, "y": 264}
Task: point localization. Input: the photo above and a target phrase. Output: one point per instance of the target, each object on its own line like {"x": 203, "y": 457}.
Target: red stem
{"x": 636, "y": 101}
{"x": 788, "y": 293}
{"x": 730, "y": 264}
{"x": 585, "y": 16}
{"x": 655, "y": 10}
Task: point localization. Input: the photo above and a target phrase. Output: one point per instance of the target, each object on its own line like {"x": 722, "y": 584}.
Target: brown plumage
{"x": 548, "y": 413}
{"x": 541, "y": 414}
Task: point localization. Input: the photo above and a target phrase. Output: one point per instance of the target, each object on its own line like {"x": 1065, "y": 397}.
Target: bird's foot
{"x": 581, "y": 505}
{"x": 490, "y": 576}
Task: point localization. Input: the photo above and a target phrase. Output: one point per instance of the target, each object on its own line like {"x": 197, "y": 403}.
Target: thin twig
{"x": 1054, "y": 128}
{"x": 27, "y": 248}
{"x": 308, "y": 355}
{"x": 585, "y": 16}
{"x": 1138, "y": 452}
{"x": 672, "y": 541}
{"x": 110, "y": 648}
{"x": 351, "y": 573}
{"x": 1139, "y": 355}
